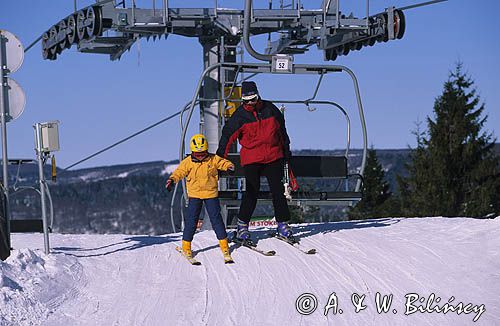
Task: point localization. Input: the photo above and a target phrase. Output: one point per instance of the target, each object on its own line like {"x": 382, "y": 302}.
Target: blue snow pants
{"x": 212, "y": 206}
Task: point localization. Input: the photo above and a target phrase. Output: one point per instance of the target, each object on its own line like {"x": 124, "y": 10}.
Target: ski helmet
{"x": 198, "y": 143}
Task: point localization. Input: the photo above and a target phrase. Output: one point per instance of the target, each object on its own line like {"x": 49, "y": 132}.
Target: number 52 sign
{"x": 282, "y": 63}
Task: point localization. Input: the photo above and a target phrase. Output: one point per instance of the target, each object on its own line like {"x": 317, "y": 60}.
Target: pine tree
{"x": 414, "y": 187}
{"x": 375, "y": 191}
{"x": 453, "y": 172}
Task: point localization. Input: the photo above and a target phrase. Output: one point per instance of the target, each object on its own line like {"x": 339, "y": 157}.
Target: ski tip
{"x": 192, "y": 261}
{"x": 311, "y": 251}
{"x": 229, "y": 262}
{"x": 270, "y": 253}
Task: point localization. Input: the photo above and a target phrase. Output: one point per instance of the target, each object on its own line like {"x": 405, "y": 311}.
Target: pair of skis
{"x": 291, "y": 241}
{"x": 294, "y": 243}
{"x": 192, "y": 261}
{"x": 252, "y": 246}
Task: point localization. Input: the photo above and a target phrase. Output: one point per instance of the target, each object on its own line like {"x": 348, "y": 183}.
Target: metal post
{"x": 165, "y": 6}
{"x": 228, "y": 78}
{"x": 3, "y": 117}
{"x": 367, "y": 15}
{"x": 209, "y": 115}
{"x": 337, "y": 18}
{"x": 209, "y": 111}
{"x": 39, "y": 154}
{"x": 133, "y": 12}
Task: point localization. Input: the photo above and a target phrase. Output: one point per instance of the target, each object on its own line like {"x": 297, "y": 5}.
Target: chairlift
{"x": 28, "y": 225}
{"x": 333, "y": 168}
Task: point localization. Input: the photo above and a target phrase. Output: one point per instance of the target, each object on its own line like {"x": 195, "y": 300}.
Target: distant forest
{"x": 131, "y": 198}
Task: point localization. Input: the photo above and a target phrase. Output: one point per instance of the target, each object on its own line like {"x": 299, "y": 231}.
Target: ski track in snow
{"x": 142, "y": 280}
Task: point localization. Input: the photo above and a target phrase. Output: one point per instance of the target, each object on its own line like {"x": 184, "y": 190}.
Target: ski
{"x": 228, "y": 260}
{"x": 250, "y": 245}
{"x": 254, "y": 248}
{"x": 191, "y": 260}
{"x": 294, "y": 243}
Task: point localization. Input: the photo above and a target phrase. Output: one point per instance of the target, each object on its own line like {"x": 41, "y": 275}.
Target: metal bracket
{"x": 390, "y": 23}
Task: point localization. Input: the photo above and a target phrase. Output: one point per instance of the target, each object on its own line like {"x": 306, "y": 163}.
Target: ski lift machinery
{"x": 111, "y": 27}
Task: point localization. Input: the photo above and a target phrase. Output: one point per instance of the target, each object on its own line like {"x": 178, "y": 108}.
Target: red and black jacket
{"x": 260, "y": 131}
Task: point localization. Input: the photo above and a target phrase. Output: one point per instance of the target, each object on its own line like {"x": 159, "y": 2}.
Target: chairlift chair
{"x": 332, "y": 168}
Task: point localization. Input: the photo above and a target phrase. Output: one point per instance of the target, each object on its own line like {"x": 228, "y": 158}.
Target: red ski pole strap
{"x": 293, "y": 181}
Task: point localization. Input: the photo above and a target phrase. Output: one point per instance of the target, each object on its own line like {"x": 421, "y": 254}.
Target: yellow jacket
{"x": 201, "y": 176}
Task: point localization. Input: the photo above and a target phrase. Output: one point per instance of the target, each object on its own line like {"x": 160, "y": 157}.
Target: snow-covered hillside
{"x": 142, "y": 280}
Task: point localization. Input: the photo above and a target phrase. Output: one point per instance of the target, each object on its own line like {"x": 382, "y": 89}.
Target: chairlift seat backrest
{"x": 307, "y": 166}
{"x": 26, "y": 226}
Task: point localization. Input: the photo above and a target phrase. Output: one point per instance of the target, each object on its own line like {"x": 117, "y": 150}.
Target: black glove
{"x": 230, "y": 170}
{"x": 170, "y": 183}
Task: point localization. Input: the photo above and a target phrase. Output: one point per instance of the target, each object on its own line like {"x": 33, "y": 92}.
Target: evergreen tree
{"x": 453, "y": 172}
{"x": 375, "y": 191}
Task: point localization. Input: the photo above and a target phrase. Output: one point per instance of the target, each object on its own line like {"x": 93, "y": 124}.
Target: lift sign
{"x": 282, "y": 63}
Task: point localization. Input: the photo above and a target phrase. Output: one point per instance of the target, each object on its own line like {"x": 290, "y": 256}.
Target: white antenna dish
{"x": 15, "y": 51}
{"x": 17, "y": 100}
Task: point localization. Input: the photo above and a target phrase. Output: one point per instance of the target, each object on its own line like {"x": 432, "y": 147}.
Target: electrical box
{"x": 50, "y": 136}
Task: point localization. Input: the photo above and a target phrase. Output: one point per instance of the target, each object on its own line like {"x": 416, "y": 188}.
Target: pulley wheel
{"x": 385, "y": 37}
{"x": 53, "y": 31}
{"x": 45, "y": 51}
{"x": 81, "y": 29}
{"x": 71, "y": 30}
{"x": 399, "y": 24}
{"x": 63, "y": 44}
{"x": 94, "y": 18}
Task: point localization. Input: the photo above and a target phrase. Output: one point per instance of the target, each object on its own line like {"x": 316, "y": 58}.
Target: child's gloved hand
{"x": 170, "y": 183}
{"x": 230, "y": 170}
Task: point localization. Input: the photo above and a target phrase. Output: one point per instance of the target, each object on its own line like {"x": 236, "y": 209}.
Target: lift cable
{"x": 121, "y": 141}
{"x": 421, "y": 4}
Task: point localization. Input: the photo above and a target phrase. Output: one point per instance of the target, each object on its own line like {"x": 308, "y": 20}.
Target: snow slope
{"x": 142, "y": 280}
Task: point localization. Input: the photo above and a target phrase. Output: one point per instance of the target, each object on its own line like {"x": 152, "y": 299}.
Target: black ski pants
{"x": 274, "y": 173}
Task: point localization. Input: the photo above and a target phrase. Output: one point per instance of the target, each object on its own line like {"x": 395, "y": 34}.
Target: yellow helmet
{"x": 198, "y": 143}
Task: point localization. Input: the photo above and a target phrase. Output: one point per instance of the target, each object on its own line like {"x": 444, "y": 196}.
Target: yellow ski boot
{"x": 186, "y": 249}
{"x": 224, "y": 246}
{"x": 186, "y": 252}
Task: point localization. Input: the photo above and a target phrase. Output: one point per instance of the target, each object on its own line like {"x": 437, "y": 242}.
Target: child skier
{"x": 201, "y": 172}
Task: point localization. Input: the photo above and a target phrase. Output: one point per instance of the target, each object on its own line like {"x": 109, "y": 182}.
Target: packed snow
{"x": 439, "y": 271}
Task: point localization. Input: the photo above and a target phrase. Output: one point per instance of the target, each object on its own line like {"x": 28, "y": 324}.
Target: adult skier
{"x": 260, "y": 129}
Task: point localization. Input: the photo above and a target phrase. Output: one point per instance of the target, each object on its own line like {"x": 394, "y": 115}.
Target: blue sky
{"x": 99, "y": 102}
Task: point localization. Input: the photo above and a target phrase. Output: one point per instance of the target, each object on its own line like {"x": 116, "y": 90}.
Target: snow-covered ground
{"x": 142, "y": 280}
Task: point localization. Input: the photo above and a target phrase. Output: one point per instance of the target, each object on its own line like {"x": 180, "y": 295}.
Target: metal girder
{"x": 327, "y": 28}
